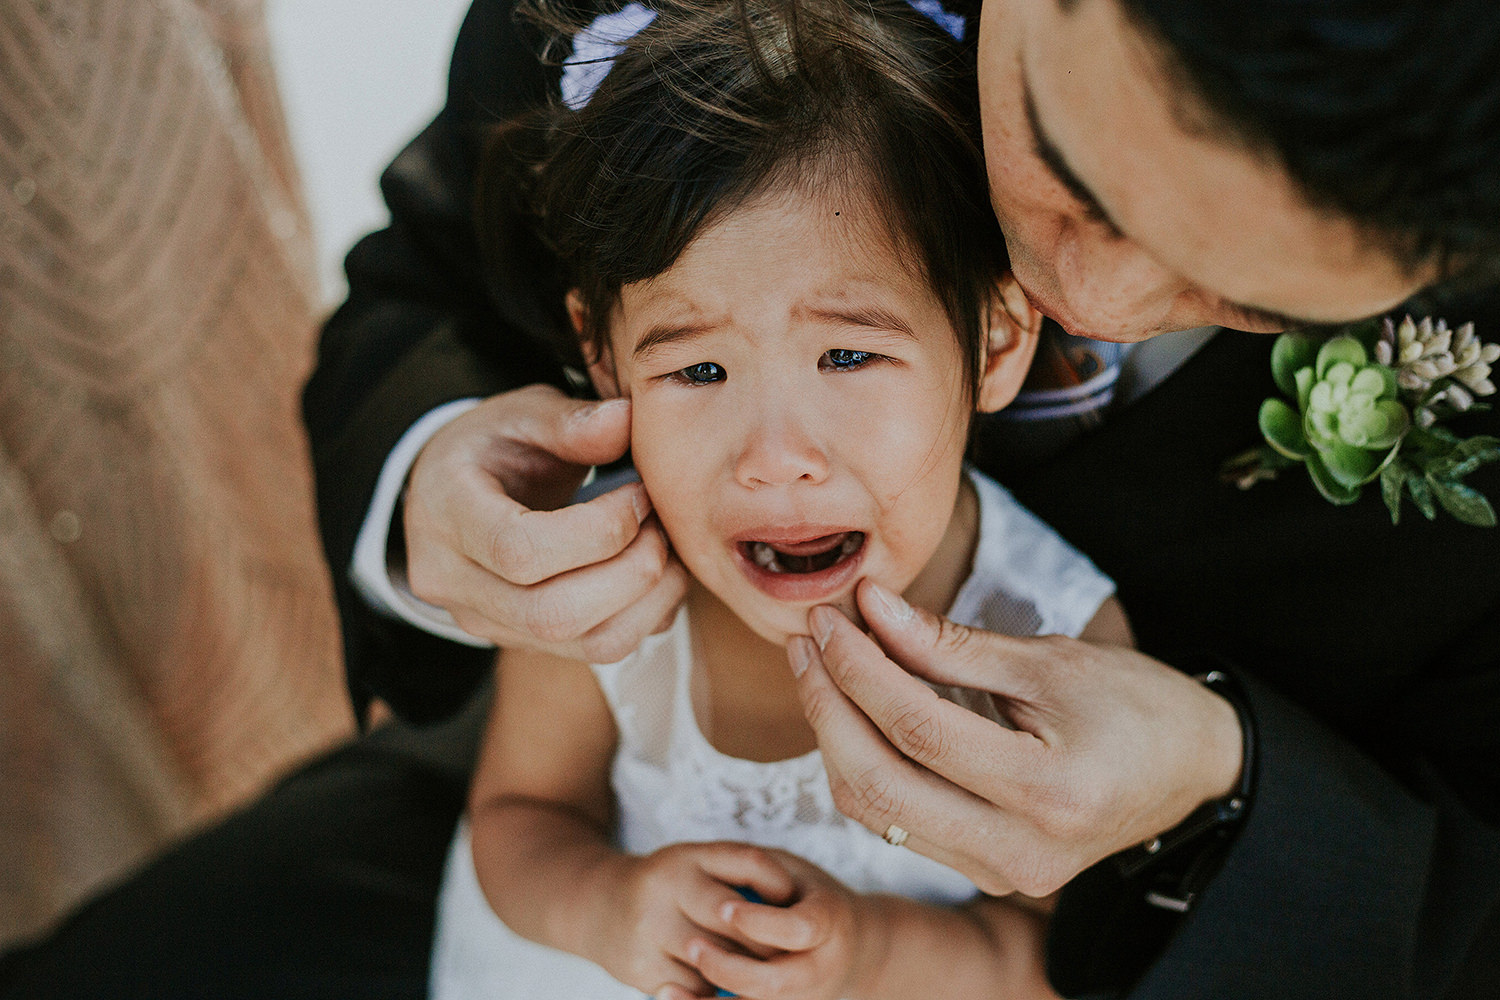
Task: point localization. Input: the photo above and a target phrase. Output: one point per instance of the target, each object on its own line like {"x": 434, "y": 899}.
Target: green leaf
{"x": 1392, "y": 487}
{"x": 1369, "y": 381}
{"x": 1461, "y": 460}
{"x": 1304, "y": 383}
{"x": 1340, "y": 375}
{"x": 1421, "y": 495}
{"x": 1441, "y": 467}
{"x": 1392, "y": 389}
{"x": 1482, "y": 447}
{"x": 1340, "y": 350}
{"x": 1456, "y": 470}
{"x": 1376, "y": 426}
{"x": 1282, "y": 428}
{"x": 1333, "y": 491}
{"x": 1322, "y": 427}
{"x": 1351, "y": 466}
{"x": 1438, "y": 439}
{"x": 1464, "y": 502}
{"x": 1291, "y": 352}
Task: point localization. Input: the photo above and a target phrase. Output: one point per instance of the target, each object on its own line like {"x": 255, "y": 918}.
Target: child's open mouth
{"x": 811, "y": 556}
{"x": 817, "y": 567}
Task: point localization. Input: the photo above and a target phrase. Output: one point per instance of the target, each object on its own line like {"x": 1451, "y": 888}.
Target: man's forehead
{"x": 1113, "y": 123}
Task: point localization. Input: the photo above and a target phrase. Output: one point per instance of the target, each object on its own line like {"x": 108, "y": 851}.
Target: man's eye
{"x": 842, "y": 360}
{"x": 702, "y": 373}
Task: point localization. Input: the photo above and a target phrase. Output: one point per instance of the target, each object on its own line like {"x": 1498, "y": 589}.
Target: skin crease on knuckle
{"x": 871, "y": 796}
{"x": 953, "y": 640}
{"x": 514, "y": 552}
{"x": 918, "y": 733}
{"x": 619, "y": 528}
{"x": 822, "y": 704}
{"x": 551, "y": 617}
{"x": 605, "y": 644}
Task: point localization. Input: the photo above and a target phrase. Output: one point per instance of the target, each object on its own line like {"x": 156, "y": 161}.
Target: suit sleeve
{"x": 1342, "y": 883}
{"x": 424, "y": 324}
{"x": 1369, "y": 863}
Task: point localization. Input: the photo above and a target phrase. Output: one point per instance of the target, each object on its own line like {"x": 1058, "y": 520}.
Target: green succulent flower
{"x": 1348, "y": 421}
{"x": 1369, "y": 404}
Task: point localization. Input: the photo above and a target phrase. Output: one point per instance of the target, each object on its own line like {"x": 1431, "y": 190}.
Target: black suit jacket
{"x": 1370, "y": 863}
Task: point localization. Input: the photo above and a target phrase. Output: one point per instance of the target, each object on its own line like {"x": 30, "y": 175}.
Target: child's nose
{"x": 778, "y": 450}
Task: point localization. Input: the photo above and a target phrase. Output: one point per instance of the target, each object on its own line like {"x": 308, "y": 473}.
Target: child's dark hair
{"x": 715, "y": 102}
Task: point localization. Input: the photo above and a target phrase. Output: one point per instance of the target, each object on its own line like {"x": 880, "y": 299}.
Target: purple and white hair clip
{"x": 595, "y": 49}
{"x": 596, "y": 46}
{"x": 953, "y": 24}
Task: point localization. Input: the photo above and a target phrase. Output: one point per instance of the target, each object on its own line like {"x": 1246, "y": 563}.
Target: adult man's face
{"x": 1121, "y": 222}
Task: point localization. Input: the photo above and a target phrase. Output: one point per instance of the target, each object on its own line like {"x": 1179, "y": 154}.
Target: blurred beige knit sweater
{"x": 167, "y": 634}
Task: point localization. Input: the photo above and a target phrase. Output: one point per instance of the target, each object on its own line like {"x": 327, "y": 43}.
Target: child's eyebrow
{"x": 872, "y": 316}
{"x": 664, "y": 334}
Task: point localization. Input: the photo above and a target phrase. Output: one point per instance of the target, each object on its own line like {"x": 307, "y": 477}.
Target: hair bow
{"x": 596, "y": 47}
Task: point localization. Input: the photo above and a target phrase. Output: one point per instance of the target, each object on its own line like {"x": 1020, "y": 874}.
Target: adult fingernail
{"x": 799, "y": 652}
{"x": 585, "y": 416}
{"x": 641, "y": 503}
{"x": 820, "y": 620}
{"x": 894, "y": 607}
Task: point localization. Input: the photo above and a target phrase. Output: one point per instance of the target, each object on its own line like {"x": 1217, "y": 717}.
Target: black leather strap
{"x": 1173, "y": 868}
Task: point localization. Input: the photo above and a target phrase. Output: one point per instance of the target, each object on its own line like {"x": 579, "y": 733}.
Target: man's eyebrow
{"x": 1051, "y": 156}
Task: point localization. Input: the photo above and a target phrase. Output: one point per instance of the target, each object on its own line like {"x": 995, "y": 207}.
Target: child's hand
{"x": 674, "y": 897}
{"x": 819, "y": 946}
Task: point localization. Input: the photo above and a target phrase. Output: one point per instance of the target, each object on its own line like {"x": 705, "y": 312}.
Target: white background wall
{"x": 359, "y": 78}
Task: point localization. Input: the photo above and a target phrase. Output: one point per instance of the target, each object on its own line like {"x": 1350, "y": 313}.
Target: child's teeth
{"x": 765, "y": 557}
{"x": 851, "y": 543}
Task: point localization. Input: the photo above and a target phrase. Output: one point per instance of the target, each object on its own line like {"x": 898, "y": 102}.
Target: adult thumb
{"x": 934, "y": 648}
{"x": 592, "y": 433}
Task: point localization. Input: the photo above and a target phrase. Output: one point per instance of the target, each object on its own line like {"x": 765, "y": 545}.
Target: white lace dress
{"x": 672, "y": 786}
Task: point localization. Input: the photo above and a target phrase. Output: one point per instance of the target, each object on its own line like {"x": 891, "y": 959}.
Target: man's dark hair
{"x": 1386, "y": 111}
{"x": 715, "y": 103}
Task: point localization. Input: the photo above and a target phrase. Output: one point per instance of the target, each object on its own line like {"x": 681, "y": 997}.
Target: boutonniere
{"x": 1370, "y": 403}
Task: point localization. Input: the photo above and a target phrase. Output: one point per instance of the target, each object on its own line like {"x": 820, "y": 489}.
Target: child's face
{"x": 799, "y": 407}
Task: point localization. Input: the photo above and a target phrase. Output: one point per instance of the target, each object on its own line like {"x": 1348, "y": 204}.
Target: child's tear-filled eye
{"x": 703, "y": 372}
{"x": 842, "y": 359}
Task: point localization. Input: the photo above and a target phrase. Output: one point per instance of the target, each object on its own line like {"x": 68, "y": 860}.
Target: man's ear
{"x": 1009, "y": 346}
{"x": 601, "y": 364}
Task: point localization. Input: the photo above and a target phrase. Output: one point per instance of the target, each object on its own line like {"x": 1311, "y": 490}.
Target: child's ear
{"x": 601, "y": 364}
{"x": 1010, "y": 344}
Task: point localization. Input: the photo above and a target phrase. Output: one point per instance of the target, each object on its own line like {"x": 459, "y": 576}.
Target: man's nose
{"x": 1112, "y": 288}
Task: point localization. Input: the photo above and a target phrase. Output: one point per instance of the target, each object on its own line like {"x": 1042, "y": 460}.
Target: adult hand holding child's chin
{"x": 491, "y": 538}
{"x": 1109, "y": 749}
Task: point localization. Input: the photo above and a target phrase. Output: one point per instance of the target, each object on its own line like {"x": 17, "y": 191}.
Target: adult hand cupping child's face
{"x": 489, "y": 536}
{"x": 1110, "y": 747}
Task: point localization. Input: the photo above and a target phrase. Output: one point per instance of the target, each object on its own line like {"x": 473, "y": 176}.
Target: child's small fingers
{"x": 682, "y": 981}
{"x": 678, "y": 947}
{"x": 746, "y": 976}
{"x": 769, "y": 926}
{"x": 752, "y": 868}
{"x": 671, "y": 991}
{"x": 702, "y": 904}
